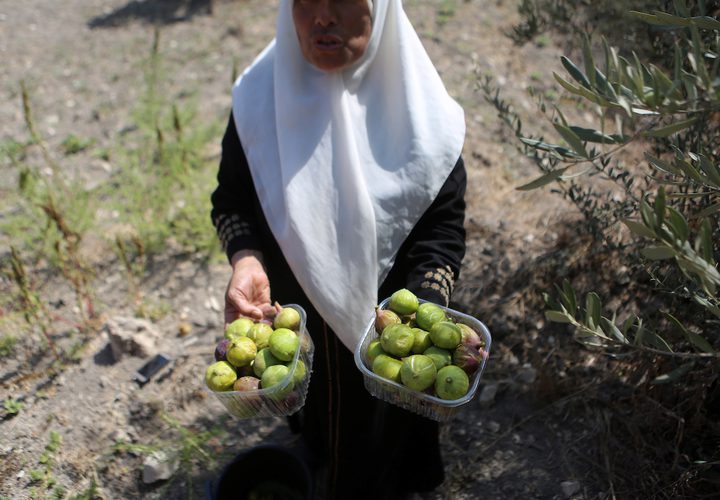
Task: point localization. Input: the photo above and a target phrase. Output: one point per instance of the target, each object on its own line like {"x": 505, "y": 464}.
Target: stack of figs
{"x": 423, "y": 348}
{"x": 257, "y": 355}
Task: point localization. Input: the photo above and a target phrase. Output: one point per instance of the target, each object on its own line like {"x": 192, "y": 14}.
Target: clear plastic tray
{"x": 414, "y": 401}
{"x": 272, "y": 402}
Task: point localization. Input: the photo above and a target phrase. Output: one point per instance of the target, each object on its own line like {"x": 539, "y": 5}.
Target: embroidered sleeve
{"x": 442, "y": 281}
{"x": 231, "y": 226}
{"x": 436, "y": 246}
{"x": 233, "y": 210}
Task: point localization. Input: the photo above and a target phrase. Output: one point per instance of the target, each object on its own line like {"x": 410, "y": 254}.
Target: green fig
{"x": 397, "y": 340}
{"x": 374, "y": 348}
{"x": 260, "y": 334}
{"x": 284, "y": 343}
{"x": 441, "y": 357}
{"x": 451, "y": 383}
{"x": 287, "y": 318}
{"x": 422, "y": 340}
{"x": 273, "y": 376}
{"x": 242, "y": 352}
{"x": 238, "y": 328}
{"x": 446, "y": 334}
{"x": 300, "y": 371}
{"x": 220, "y": 376}
{"x": 403, "y": 302}
{"x": 428, "y": 314}
{"x": 418, "y": 372}
{"x": 387, "y": 367}
{"x": 263, "y": 360}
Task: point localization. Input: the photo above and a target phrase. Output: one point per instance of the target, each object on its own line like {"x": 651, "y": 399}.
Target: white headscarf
{"x": 345, "y": 163}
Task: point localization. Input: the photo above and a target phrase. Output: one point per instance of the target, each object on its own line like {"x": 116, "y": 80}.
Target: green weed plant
{"x": 45, "y": 483}
{"x": 191, "y": 448}
{"x": 158, "y": 194}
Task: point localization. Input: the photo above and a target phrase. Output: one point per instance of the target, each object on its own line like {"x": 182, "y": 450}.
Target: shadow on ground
{"x": 158, "y": 12}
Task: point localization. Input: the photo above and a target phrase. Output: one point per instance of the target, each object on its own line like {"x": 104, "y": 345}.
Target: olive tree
{"x": 668, "y": 106}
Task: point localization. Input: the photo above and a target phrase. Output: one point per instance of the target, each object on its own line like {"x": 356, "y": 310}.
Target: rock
{"x": 133, "y": 336}
{"x": 569, "y": 488}
{"x": 184, "y": 329}
{"x": 212, "y": 303}
{"x": 134, "y": 435}
{"x": 493, "y": 426}
{"x": 159, "y": 466}
{"x": 511, "y": 359}
{"x": 526, "y": 374}
{"x": 487, "y": 395}
{"x": 120, "y": 435}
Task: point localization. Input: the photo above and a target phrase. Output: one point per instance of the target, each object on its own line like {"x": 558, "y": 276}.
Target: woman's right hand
{"x": 248, "y": 292}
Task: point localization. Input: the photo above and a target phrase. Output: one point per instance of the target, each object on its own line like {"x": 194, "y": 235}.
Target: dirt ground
{"x": 81, "y": 62}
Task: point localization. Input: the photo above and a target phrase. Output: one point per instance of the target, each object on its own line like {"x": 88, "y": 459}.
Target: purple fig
{"x": 384, "y": 318}
{"x": 468, "y": 358}
{"x": 291, "y": 400}
{"x": 471, "y": 337}
{"x": 221, "y": 349}
{"x": 247, "y": 383}
{"x": 244, "y": 371}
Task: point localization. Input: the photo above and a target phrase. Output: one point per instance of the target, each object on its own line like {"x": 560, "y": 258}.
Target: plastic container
{"x": 275, "y": 401}
{"x": 418, "y": 402}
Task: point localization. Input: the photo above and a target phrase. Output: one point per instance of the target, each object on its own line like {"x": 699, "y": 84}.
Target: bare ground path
{"x": 82, "y": 64}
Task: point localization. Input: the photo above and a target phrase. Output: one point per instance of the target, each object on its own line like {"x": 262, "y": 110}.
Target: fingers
{"x": 248, "y": 294}
{"x": 237, "y": 305}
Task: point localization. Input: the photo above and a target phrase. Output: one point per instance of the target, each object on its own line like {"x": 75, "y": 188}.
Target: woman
{"x": 341, "y": 180}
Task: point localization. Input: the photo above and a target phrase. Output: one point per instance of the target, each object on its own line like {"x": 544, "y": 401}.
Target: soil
{"x": 81, "y": 62}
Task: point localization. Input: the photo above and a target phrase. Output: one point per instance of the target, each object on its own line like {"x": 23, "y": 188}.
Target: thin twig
{"x": 606, "y": 453}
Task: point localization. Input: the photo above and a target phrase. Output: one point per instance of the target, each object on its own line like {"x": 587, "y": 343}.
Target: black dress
{"x": 370, "y": 449}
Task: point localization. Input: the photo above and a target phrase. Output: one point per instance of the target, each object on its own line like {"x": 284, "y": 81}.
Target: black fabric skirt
{"x": 366, "y": 448}
{"x": 363, "y": 447}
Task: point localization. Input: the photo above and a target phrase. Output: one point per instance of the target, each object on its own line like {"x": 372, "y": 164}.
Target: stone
{"x": 569, "y": 488}
{"x": 212, "y": 304}
{"x": 131, "y": 336}
{"x": 120, "y": 435}
{"x": 487, "y": 394}
{"x": 159, "y": 466}
{"x": 526, "y": 374}
{"x": 493, "y": 426}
